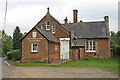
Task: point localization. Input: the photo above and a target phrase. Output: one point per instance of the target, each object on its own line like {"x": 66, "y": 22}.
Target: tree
{"x": 0, "y": 42}
{"x": 115, "y": 42}
{"x": 7, "y": 43}
{"x": 17, "y": 36}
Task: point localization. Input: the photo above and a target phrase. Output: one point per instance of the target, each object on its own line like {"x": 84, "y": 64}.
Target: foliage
{"x": 14, "y": 55}
{"x": 17, "y": 36}
{"x": 115, "y": 42}
{"x": 7, "y": 43}
{"x": 0, "y": 43}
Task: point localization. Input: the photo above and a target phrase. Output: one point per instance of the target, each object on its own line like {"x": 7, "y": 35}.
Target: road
{"x": 53, "y": 72}
{"x": 6, "y": 70}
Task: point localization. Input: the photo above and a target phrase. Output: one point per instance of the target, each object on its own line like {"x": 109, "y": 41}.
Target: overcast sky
{"x": 26, "y": 13}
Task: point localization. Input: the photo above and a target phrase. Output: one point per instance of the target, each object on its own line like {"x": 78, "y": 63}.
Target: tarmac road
{"x": 6, "y": 69}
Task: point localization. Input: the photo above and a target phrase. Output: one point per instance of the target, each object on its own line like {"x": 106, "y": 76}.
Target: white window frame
{"x": 47, "y": 25}
{"x": 53, "y": 29}
{"x": 89, "y": 46}
{"x": 34, "y": 34}
{"x": 56, "y": 47}
{"x": 32, "y": 47}
{"x": 42, "y": 26}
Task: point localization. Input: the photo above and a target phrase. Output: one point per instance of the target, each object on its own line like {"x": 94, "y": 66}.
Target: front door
{"x": 64, "y": 48}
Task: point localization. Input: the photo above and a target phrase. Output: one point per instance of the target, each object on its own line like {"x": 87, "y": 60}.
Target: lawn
{"x": 108, "y": 65}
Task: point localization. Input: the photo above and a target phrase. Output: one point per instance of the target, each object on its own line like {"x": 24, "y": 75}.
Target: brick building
{"x": 50, "y": 40}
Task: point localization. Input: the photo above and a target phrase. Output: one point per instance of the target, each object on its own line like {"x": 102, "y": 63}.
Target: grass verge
{"x": 108, "y": 65}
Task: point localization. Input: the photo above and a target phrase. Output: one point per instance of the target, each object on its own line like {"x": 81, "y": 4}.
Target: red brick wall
{"x": 42, "y": 53}
{"x": 75, "y": 53}
{"x": 54, "y": 54}
{"x": 103, "y": 49}
{"x": 60, "y": 31}
{"x": 82, "y": 53}
{"x": 90, "y": 53}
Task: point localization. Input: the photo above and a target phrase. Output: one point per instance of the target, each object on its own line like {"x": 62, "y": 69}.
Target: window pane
{"x": 42, "y": 26}
{"x": 87, "y": 45}
{"x": 56, "y": 47}
{"x": 34, "y": 46}
{"x": 34, "y": 34}
{"x": 53, "y": 28}
{"x": 90, "y": 45}
{"x": 94, "y": 45}
{"x": 47, "y": 25}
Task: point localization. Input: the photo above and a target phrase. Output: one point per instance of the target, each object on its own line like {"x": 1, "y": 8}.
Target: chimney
{"x": 75, "y": 16}
{"x": 66, "y": 20}
{"x": 106, "y": 18}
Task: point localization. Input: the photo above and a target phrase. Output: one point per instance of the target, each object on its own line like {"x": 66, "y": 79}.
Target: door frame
{"x": 64, "y": 39}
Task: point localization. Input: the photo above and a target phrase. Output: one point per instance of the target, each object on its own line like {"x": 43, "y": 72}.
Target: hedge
{"x": 14, "y": 55}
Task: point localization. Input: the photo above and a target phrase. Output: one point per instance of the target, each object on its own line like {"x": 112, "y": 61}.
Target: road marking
{"x": 7, "y": 63}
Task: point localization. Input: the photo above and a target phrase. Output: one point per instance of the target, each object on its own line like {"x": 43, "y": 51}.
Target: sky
{"x": 26, "y": 13}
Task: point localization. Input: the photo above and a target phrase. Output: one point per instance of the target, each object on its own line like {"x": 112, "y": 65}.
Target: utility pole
{"x": 5, "y": 14}
{"x": 6, "y": 3}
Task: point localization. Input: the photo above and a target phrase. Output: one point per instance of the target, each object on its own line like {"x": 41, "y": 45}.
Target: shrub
{"x": 14, "y": 55}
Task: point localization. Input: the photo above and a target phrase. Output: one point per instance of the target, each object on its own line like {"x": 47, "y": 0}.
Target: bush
{"x": 14, "y": 55}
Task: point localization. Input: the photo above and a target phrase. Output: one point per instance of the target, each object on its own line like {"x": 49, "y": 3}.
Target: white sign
{"x": 34, "y": 39}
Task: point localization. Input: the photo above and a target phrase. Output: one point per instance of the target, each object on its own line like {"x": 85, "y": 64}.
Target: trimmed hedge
{"x": 14, "y": 55}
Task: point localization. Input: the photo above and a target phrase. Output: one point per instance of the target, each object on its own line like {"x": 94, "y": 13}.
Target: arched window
{"x": 47, "y": 25}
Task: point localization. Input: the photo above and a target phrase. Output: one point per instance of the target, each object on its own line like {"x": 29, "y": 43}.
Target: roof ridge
{"x": 84, "y": 22}
{"x": 59, "y": 23}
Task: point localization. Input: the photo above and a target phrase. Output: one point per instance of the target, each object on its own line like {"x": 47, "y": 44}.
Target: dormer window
{"x": 47, "y": 25}
{"x": 42, "y": 26}
{"x": 53, "y": 28}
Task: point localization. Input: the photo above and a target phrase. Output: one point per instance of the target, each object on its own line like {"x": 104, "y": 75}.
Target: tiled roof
{"x": 88, "y": 29}
{"x": 47, "y": 35}
{"x": 79, "y": 42}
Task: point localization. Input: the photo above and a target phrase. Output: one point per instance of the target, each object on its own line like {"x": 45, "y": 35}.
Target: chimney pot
{"x": 106, "y": 18}
{"x": 75, "y": 16}
{"x": 65, "y": 19}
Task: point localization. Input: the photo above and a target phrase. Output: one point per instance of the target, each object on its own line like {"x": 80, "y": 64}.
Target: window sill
{"x": 47, "y": 29}
{"x": 53, "y": 32}
{"x": 33, "y": 52}
{"x": 90, "y": 51}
